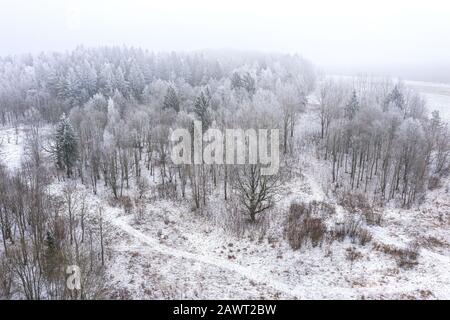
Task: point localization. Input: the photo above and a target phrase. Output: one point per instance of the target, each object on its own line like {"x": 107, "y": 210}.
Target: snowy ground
{"x": 180, "y": 254}
{"x": 176, "y": 253}
{"x": 11, "y": 146}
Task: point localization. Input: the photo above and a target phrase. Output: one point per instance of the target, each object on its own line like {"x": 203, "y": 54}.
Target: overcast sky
{"x": 334, "y": 34}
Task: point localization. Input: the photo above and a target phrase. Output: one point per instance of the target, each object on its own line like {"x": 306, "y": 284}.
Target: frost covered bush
{"x": 408, "y": 256}
{"x": 352, "y": 229}
{"x": 127, "y": 204}
{"x": 167, "y": 191}
{"x": 357, "y": 203}
{"x": 233, "y": 221}
{"x": 354, "y": 202}
{"x": 139, "y": 211}
{"x": 372, "y": 216}
{"x": 405, "y": 257}
{"x": 434, "y": 182}
{"x": 301, "y": 228}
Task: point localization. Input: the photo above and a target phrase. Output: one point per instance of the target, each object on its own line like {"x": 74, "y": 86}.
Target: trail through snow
{"x": 299, "y": 292}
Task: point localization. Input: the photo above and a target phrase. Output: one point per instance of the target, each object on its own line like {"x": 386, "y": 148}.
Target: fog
{"x": 401, "y": 38}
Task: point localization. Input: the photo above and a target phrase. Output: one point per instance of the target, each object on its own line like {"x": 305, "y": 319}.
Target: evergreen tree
{"x": 236, "y": 81}
{"x": 436, "y": 122}
{"x": 72, "y": 88}
{"x": 50, "y": 256}
{"x": 395, "y": 98}
{"x": 171, "y": 100}
{"x": 66, "y": 146}
{"x": 352, "y": 107}
{"x": 50, "y": 243}
{"x": 89, "y": 78}
{"x": 121, "y": 83}
{"x": 107, "y": 79}
{"x": 201, "y": 110}
{"x": 249, "y": 84}
{"x": 136, "y": 80}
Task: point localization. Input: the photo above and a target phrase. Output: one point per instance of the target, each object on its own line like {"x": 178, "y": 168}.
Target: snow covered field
{"x": 436, "y": 94}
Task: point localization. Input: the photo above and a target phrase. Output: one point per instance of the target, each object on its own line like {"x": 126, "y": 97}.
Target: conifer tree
{"x": 201, "y": 110}
{"x": 66, "y": 146}
{"x": 352, "y": 107}
{"x": 171, "y": 100}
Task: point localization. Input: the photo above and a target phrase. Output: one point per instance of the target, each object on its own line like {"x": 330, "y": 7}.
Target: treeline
{"x": 48, "y": 84}
{"x": 380, "y": 140}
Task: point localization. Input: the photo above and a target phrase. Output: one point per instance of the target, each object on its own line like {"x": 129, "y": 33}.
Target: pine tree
{"x": 72, "y": 90}
{"x": 201, "y": 110}
{"x": 89, "y": 78}
{"x": 249, "y": 84}
{"x": 107, "y": 79}
{"x": 436, "y": 122}
{"x": 396, "y": 98}
{"x": 236, "y": 81}
{"x": 136, "y": 80}
{"x": 66, "y": 146}
{"x": 171, "y": 100}
{"x": 121, "y": 83}
{"x": 352, "y": 107}
{"x": 50, "y": 256}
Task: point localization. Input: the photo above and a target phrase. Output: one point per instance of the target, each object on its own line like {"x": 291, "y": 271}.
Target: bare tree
{"x": 256, "y": 191}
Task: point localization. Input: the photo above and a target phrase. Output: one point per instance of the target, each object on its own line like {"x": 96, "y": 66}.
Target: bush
{"x": 353, "y": 202}
{"x": 314, "y": 208}
{"x": 126, "y": 203}
{"x": 351, "y": 254}
{"x": 297, "y": 210}
{"x": 301, "y": 228}
{"x": 232, "y": 220}
{"x": 372, "y": 217}
{"x": 434, "y": 182}
{"x": 167, "y": 191}
{"x": 139, "y": 212}
{"x": 405, "y": 257}
{"x": 322, "y": 208}
{"x": 352, "y": 229}
{"x": 408, "y": 256}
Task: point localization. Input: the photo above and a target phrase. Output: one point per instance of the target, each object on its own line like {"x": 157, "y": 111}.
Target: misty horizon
{"x": 402, "y": 39}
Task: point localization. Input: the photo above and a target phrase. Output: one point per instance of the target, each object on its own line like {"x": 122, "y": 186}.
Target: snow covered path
{"x": 297, "y": 292}
{"x": 154, "y": 245}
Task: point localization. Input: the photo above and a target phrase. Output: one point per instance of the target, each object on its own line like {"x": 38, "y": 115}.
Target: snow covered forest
{"x": 360, "y": 207}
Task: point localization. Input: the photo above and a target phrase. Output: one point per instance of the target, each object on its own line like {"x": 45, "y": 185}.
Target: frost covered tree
{"x": 352, "y": 107}
{"x": 136, "y": 80}
{"x": 292, "y": 102}
{"x": 396, "y": 98}
{"x": 171, "y": 100}
{"x": 256, "y": 192}
{"x": 66, "y": 147}
{"x": 202, "y": 110}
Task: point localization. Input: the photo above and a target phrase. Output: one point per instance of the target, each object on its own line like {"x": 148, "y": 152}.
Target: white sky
{"x": 340, "y": 32}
